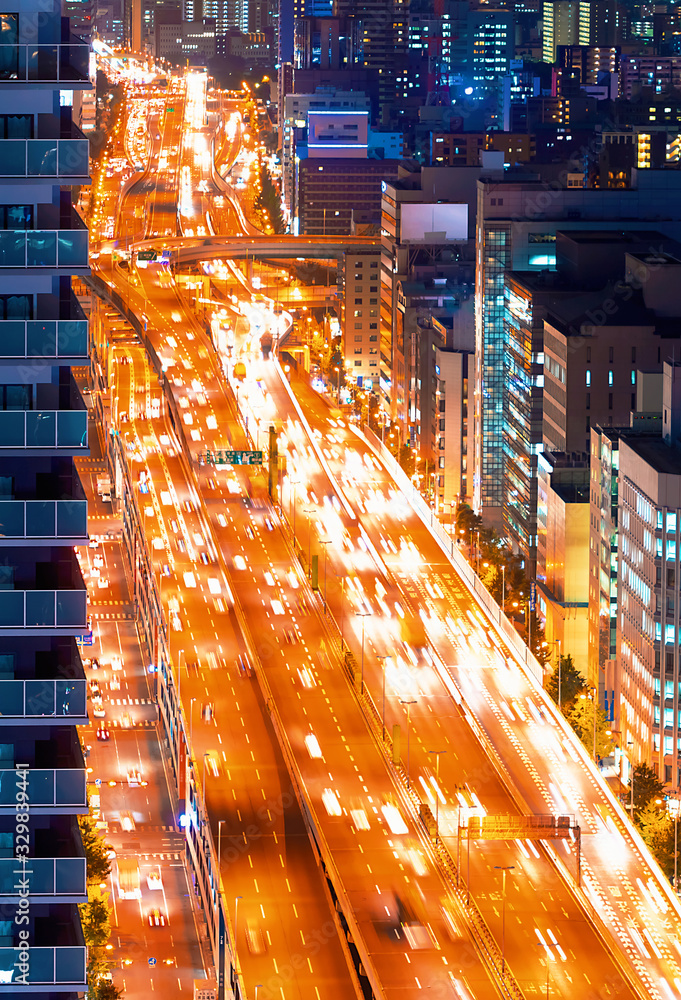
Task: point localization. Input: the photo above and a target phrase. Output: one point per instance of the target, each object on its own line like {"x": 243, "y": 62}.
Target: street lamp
{"x": 383, "y": 659}
{"x": 309, "y": 511}
{"x": 503, "y": 869}
{"x": 236, "y": 950}
{"x": 408, "y": 702}
{"x": 362, "y": 615}
{"x": 503, "y": 588}
{"x": 325, "y": 542}
{"x": 220, "y": 822}
{"x": 437, "y": 754}
{"x": 339, "y": 380}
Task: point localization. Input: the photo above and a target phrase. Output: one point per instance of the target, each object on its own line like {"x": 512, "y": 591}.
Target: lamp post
{"x": 503, "y": 869}
{"x": 437, "y": 754}
{"x": 325, "y": 542}
{"x": 362, "y": 615}
{"x": 309, "y": 511}
{"x": 408, "y": 702}
{"x": 383, "y": 659}
{"x": 503, "y": 589}
{"x": 220, "y": 822}
{"x": 236, "y": 950}
{"x": 337, "y": 369}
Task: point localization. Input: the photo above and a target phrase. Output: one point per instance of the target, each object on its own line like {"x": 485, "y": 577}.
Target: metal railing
{"x": 50, "y": 338}
{"x": 43, "y": 519}
{"x": 46, "y": 966}
{"x": 60, "y": 62}
{"x": 43, "y": 247}
{"x": 44, "y": 157}
{"x": 44, "y": 876}
{"x": 33, "y": 699}
{"x": 43, "y": 429}
{"x": 44, "y": 609}
{"x": 53, "y": 787}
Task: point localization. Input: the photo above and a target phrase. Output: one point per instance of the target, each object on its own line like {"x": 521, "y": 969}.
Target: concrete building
{"x": 580, "y": 22}
{"x": 562, "y": 575}
{"x": 518, "y": 216}
{"x": 360, "y": 319}
{"x": 649, "y": 72}
{"x": 43, "y": 425}
{"x": 331, "y": 189}
{"x": 185, "y": 40}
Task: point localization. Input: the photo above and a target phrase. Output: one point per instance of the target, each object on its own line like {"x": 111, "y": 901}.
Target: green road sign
{"x": 233, "y": 458}
{"x": 147, "y": 255}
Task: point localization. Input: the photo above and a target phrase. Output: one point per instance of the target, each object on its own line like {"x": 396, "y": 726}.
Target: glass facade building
{"x": 43, "y": 510}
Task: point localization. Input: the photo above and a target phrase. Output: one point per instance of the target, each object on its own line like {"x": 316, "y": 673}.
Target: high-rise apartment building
{"x": 382, "y": 41}
{"x": 43, "y": 425}
{"x": 580, "y": 22}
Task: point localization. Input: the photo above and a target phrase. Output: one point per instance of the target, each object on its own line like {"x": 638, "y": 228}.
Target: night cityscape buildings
{"x": 361, "y": 357}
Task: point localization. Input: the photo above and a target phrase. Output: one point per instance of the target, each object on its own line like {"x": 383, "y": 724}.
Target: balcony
{"x": 43, "y": 700}
{"x": 58, "y": 249}
{"x": 43, "y": 430}
{"x": 41, "y": 590}
{"x": 57, "y": 332}
{"x": 53, "y": 790}
{"x": 41, "y": 682}
{"x": 65, "y": 63}
{"x": 47, "y": 879}
{"x": 60, "y": 969}
{"x": 41, "y": 502}
{"x": 66, "y": 160}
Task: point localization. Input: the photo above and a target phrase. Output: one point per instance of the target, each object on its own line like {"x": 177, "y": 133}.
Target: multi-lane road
{"x": 481, "y": 738}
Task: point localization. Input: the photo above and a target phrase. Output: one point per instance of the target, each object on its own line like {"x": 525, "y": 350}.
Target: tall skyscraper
{"x": 383, "y": 41}
{"x": 43, "y": 512}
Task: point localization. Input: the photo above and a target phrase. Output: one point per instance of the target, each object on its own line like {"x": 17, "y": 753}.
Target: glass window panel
{"x": 40, "y": 518}
{"x": 41, "y": 429}
{"x": 72, "y": 608}
{"x": 11, "y": 430}
{"x": 12, "y": 157}
{"x": 18, "y": 216}
{"x": 73, "y": 248}
{"x": 42, "y": 339}
{"x": 69, "y": 875}
{"x": 72, "y": 337}
{"x": 18, "y": 126}
{"x": 40, "y": 608}
{"x": 17, "y": 397}
{"x": 42, "y": 62}
{"x": 12, "y": 247}
{"x": 71, "y": 697}
{"x": 40, "y": 697}
{"x": 41, "y": 787}
{"x": 9, "y": 62}
{"x": 11, "y": 518}
{"x": 71, "y": 787}
{"x": 74, "y": 157}
{"x": 72, "y": 518}
{"x": 42, "y": 157}
{"x": 72, "y": 432}
{"x": 12, "y": 697}
{"x": 11, "y": 607}
{"x": 74, "y": 62}
{"x": 17, "y": 306}
{"x": 12, "y": 339}
{"x": 41, "y": 249}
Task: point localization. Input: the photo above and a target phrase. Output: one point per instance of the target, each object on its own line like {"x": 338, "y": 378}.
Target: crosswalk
{"x": 143, "y": 723}
{"x": 131, "y": 701}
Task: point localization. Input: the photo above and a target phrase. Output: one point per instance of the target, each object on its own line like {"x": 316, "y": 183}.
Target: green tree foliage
{"x": 657, "y": 830}
{"x": 105, "y": 990}
{"x": 581, "y": 718}
{"x": 94, "y": 917}
{"x": 96, "y": 850}
{"x": 647, "y": 788}
{"x": 268, "y": 202}
{"x": 572, "y": 684}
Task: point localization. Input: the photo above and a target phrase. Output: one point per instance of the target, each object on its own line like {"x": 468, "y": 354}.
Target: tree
{"x": 96, "y": 850}
{"x": 268, "y": 202}
{"x": 657, "y": 830}
{"x": 581, "y": 718}
{"x": 572, "y": 684}
{"x": 105, "y": 990}
{"x": 647, "y": 787}
{"x": 94, "y": 917}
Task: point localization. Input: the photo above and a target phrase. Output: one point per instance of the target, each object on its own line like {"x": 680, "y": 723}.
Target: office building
{"x": 518, "y": 217}
{"x": 332, "y": 189}
{"x": 580, "y": 22}
{"x": 43, "y": 425}
{"x": 360, "y": 322}
{"x": 657, "y": 74}
{"x": 491, "y": 35}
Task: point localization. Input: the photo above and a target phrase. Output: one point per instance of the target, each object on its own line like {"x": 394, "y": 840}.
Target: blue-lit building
{"x": 43, "y": 512}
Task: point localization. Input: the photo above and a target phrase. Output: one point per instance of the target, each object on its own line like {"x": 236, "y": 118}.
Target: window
{"x": 611, "y": 354}
{"x": 373, "y": 302}
{"x": 610, "y": 401}
{"x": 588, "y": 376}
{"x": 670, "y": 522}
{"x": 372, "y": 340}
{"x": 610, "y": 376}
{"x": 358, "y": 337}
{"x": 588, "y": 354}
{"x": 358, "y": 326}
{"x": 358, "y": 302}
{"x": 358, "y": 313}
{"x": 633, "y": 376}
{"x": 373, "y": 326}
{"x": 373, "y": 288}
{"x": 359, "y": 263}
{"x": 633, "y": 355}
{"x": 358, "y": 364}
{"x": 16, "y": 217}
{"x": 588, "y": 400}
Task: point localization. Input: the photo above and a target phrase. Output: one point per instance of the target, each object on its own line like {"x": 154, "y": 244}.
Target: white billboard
{"x": 422, "y": 222}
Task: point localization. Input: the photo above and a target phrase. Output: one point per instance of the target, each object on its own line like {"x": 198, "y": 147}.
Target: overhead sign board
{"x": 233, "y": 458}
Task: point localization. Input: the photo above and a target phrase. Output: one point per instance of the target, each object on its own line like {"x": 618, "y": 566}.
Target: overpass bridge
{"x": 186, "y": 250}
